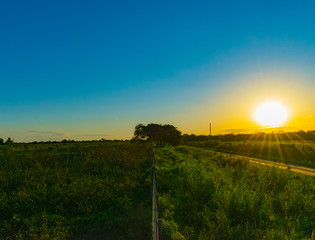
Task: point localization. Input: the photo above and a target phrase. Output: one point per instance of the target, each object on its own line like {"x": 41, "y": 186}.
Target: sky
{"x": 95, "y": 69}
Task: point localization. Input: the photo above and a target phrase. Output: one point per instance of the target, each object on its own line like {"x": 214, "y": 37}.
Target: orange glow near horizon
{"x": 235, "y": 108}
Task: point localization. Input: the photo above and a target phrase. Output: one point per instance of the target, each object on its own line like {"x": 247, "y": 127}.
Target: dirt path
{"x": 294, "y": 168}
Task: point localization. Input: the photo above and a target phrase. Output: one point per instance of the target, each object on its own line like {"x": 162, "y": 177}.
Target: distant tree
{"x": 160, "y": 134}
{"x": 1, "y": 141}
{"x": 9, "y": 141}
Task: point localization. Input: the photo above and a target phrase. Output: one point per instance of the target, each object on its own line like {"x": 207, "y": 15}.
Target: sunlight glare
{"x": 271, "y": 114}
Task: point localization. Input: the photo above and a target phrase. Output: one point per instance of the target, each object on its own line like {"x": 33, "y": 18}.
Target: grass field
{"x": 75, "y": 191}
{"x": 98, "y": 190}
{"x": 207, "y": 196}
{"x": 295, "y": 152}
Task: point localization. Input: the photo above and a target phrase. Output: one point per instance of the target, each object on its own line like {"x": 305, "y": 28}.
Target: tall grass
{"x": 295, "y": 152}
{"x": 75, "y": 190}
{"x": 204, "y": 196}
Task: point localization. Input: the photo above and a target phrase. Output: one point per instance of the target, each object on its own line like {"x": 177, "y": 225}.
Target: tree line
{"x": 168, "y": 134}
{"x": 258, "y": 136}
{"x": 8, "y": 141}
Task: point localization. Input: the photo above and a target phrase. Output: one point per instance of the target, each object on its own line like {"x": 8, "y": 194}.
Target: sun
{"x": 271, "y": 114}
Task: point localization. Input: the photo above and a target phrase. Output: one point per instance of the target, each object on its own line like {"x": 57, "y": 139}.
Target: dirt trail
{"x": 294, "y": 168}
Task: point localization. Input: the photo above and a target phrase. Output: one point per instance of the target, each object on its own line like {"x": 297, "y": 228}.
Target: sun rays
{"x": 282, "y": 147}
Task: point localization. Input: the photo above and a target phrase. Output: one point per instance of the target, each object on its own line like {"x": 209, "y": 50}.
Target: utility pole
{"x": 210, "y": 129}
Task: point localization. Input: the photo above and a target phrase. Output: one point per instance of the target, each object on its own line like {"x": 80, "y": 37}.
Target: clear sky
{"x": 95, "y": 69}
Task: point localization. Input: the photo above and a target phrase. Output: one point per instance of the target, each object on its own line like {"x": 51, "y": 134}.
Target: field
{"x": 75, "y": 191}
{"x": 205, "y": 196}
{"x": 294, "y": 152}
{"x": 102, "y": 190}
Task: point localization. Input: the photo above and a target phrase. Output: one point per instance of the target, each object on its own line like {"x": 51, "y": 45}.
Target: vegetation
{"x": 295, "y": 152}
{"x": 88, "y": 190}
{"x": 160, "y": 134}
{"x": 203, "y": 195}
{"x": 75, "y": 191}
{"x": 259, "y": 136}
{"x": 8, "y": 141}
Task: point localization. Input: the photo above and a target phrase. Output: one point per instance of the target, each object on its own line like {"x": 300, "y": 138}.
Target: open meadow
{"x": 87, "y": 190}
{"x": 102, "y": 190}
{"x": 295, "y": 152}
{"x": 206, "y": 196}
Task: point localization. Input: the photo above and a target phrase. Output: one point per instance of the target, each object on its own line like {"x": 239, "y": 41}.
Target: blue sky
{"x": 93, "y": 69}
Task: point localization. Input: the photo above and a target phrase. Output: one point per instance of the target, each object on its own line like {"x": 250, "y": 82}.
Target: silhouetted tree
{"x": 9, "y": 141}
{"x": 160, "y": 134}
{"x": 1, "y": 141}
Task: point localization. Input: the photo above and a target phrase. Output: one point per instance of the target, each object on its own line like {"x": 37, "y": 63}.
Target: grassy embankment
{"x": 294, "y": 152}
{"x": 206, "y": 196}
{"x": 75, "y": 191}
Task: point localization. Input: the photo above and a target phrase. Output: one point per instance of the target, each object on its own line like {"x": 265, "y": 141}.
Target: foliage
{"x": 89, "y": 190}
{"x": 75, "y": 190}
{"x": 259, "y": 136}
{"x": 295, "y": 152}
{"x": 9, "y": 141}
{"x": 157, "y": 133}
{"x": 204, "y": 195}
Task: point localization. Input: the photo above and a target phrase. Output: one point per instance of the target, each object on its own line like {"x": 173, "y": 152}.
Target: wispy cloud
{"x": 242, "y": 130}
{"x": 50, "y": 133}
{"x": 93, "y": 135}
{"x": 233, "y": 130}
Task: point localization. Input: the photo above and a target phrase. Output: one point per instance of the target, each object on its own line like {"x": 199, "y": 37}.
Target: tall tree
{"x": 160, "y": 134}
{"x": 9, "y": 141}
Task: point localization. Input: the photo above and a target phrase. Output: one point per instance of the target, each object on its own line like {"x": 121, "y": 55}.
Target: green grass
{"x": 75, "y": 191}
{"x": 294, "y": 152}
{"x": 100, "y": 190}
{"x": 207, "y": 196}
